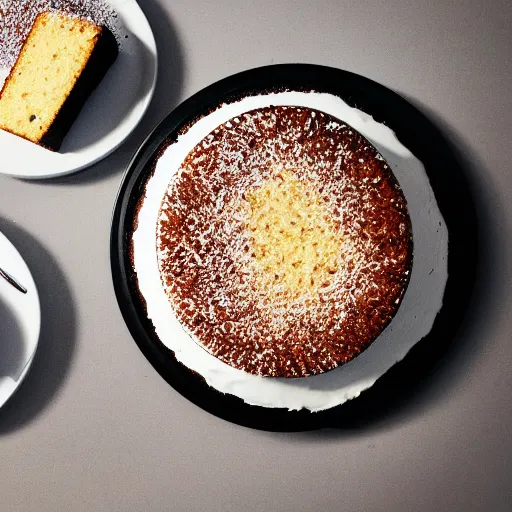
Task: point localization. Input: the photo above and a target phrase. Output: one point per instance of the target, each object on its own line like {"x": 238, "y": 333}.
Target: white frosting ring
{"x": 413, "y": 321}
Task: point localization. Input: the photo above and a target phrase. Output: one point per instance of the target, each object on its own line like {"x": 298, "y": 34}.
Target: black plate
{"x": 418, "y": 134}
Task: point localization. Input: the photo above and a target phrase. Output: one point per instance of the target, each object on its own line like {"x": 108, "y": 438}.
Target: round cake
{"x": 284, "y": 243}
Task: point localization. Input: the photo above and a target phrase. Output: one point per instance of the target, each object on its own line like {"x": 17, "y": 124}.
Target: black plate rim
{"x": 412, "y": 128}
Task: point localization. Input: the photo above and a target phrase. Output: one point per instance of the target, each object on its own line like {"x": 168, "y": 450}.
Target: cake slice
{"x": 61, "y": 62}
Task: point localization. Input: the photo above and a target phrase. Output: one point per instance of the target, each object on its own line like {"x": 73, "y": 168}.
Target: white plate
{"x": 110, "y": 115}
{"x": 20, "y": 321}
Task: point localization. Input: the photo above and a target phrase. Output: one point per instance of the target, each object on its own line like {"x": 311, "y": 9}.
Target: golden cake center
{"x": 295, "y": 245}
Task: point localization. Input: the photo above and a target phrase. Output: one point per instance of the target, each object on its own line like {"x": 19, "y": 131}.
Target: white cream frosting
{"x": 413, "y": 321}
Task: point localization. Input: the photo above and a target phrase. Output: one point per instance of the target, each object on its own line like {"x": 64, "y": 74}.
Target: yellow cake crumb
{"x": 295, "y": 246}
{"x": 51, "y": 60}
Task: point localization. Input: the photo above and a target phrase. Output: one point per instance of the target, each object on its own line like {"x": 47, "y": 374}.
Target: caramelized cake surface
{"x": 284, "y": 242}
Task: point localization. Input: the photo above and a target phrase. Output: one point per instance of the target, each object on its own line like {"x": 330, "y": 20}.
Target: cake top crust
{"x": 284, "y": 242}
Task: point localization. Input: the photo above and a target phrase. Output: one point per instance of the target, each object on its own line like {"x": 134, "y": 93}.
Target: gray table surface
{"x": 94, "y": 427}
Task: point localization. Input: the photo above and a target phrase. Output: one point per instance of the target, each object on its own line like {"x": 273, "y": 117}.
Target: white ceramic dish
{"x": 20, "y": 321}
{"x": 110, "y": 115}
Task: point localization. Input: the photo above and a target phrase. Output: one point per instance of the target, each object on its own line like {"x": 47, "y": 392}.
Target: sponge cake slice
{"x": 61, "y": 63}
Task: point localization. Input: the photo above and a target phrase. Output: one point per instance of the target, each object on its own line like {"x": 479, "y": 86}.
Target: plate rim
{"x": 132, "y": 4}
{"x": 295, "y": 77}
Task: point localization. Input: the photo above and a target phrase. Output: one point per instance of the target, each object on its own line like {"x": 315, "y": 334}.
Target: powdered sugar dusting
{"x": 17, "y": 18}
{"x": 205, "y": 249}
{"x": 413, "y": 320}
